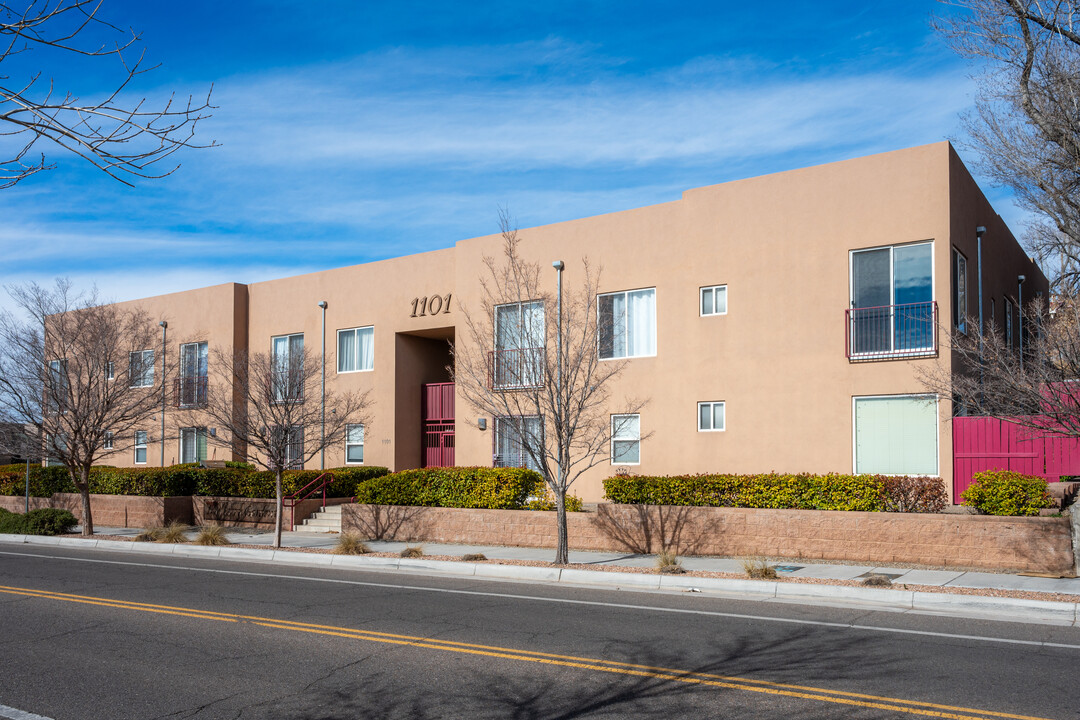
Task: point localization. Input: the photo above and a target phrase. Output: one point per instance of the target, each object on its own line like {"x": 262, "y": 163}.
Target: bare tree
{"x": 1037, "y": 387}
{"x": 84, "y": 375}
{"x": 119, "y": 134}
{"x": 268, "y": 409}
{"x": 1026, "y": 123}
{"x": 534, "y": 364}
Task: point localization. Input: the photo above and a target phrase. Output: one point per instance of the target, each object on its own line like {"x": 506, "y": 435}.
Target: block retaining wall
{"x": 1033, "y": 544}
{"x": 134, "y": 511}
{"x": 252, "y": 512}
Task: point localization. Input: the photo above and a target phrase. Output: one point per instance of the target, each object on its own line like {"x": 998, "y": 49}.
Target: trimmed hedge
{"x": 1001, "y": 492}
{"x": 457, "y": 487}
{"x": 189, "y": 479}
{"x": 781, "y": 491}
{"x": 230, "y": 482}
{"x": 44, "y": 521}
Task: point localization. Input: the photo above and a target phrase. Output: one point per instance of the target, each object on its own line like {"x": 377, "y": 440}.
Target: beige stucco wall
{"x": 780, "y": 243}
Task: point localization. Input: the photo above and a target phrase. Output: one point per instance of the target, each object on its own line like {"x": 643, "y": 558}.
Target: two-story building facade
{"x": 774, "y": 323}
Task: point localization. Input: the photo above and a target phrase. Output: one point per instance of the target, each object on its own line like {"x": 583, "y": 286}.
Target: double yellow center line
{"x": 911, "y": 707}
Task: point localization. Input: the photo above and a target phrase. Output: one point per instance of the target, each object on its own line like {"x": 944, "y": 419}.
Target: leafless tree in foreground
{"x": 549, "y": 394}
{"x": 1026, "y": 124}
{"x": 86, "y": 376}
{"x": 1039, "y": 389}
{"x": 267, "y": 408}
{"x": 119, "y": 134}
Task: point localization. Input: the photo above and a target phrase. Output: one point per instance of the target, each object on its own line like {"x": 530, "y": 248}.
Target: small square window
{"x": 625, "y": 439}
{"x": 714, "y": 300}
{"x": 710, "y": 417}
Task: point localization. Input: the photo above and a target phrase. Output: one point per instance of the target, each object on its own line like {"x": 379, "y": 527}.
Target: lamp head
{"x": 558, "y": 265}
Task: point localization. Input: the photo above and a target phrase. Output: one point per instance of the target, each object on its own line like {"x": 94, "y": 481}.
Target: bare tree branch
{"x": 122, "y": 137}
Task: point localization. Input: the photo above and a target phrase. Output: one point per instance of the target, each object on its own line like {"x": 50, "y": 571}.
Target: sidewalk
{"x": 1029, "y": 608}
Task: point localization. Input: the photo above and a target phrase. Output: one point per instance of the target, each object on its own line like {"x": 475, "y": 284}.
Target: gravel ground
{"x": 951, "y": 590}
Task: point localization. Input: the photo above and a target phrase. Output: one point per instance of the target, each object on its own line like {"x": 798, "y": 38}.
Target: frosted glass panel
{"x": 896, "y": 436}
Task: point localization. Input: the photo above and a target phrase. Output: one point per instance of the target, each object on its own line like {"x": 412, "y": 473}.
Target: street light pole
{"x": 322, "y": 453}
{"x": 559, "y": 265}
{"x": 164, "y": 329}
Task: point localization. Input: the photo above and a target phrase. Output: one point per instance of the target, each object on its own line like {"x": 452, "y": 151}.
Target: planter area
{"x": 1019, "y": 544}
{"x": 130, "y": 511}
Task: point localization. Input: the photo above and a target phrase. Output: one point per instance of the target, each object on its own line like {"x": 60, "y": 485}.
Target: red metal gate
{"x": 437, "y": 408}
{"x": 982, "y": 443}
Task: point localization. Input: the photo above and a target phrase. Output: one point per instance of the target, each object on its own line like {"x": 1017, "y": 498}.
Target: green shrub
{"x": 1001, "y": 492}
{"x": 461, "y": 487}
{"x": 44, "y": 521}
{"x": 238, "y": 482}
{"x": 547, "y": 502}
{"x": 781, "y": 491}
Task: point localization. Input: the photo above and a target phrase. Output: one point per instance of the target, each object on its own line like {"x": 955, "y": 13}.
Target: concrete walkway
{"x": 793, "y": 568}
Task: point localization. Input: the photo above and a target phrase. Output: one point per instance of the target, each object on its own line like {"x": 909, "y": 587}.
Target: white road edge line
{"x": 12, "y": 714}
{"x": 568, "y": 601}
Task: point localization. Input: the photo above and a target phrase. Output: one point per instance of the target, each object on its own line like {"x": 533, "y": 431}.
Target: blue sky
{"x": 355, "y": 131}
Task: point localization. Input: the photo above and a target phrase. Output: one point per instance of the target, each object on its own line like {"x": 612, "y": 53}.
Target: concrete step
{"x": 327, "y": 520}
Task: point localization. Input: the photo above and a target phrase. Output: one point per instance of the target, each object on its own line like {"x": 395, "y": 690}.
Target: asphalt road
{"x": 117, "y": 635}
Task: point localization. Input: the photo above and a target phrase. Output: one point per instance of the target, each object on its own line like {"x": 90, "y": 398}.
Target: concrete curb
{"x": 992, "y": 608}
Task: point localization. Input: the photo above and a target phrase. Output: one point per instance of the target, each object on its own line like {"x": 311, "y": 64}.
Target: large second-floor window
{"x": 191, "y": 385}
{"x": 141, "y": 368}
{"x": 288, "y": 376}
{"x": 356, "y": 349}
{"x": 892, "y": 301}
{"x": 519, "y": 345}
{"x": 627, "y": 324}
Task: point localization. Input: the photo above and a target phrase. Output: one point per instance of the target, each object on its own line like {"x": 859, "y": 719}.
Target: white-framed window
{"x": 959, "y": 282}
{"x": 354, "y": 444}
{"x": 294, "y": 451}
{"x": 192, "y": 444}
{"x": 110, "y": 370}
{"x": 519, "y": 345}
{"x": 194, "y": 364}
{"x": 1009, "y": 322}
{"x": 626, "y": 439}
{"x": 627, "y": 324}
{"x": 893, "y": 312}
{"x": 55, "y": 449}
{"x": 713, "y": 300}
{"x": 141, "y": 368}
{"x": 896, "y": 434}
{"x": 288, "y": 352}
{"x": 514, "y": 437}
{"x": 140, "y": 447}
{"x": 107, "y": 444}
{"x": 710, "y": 416}
{"x": 356, "y": 349}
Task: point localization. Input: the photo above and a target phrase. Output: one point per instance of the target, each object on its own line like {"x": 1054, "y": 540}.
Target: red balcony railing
{"x": 891, "y": 331}
{"x": 189, "y": 392}
{"x": 516, "y": 369}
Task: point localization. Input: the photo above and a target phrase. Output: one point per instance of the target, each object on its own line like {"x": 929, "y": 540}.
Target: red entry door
{"x": 437, "y": 411}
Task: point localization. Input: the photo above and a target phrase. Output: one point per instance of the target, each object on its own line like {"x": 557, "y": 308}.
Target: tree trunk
{"x": 562, "y": 552}
{"x": 82, "y": 483}
{"x": 277, "y": 514}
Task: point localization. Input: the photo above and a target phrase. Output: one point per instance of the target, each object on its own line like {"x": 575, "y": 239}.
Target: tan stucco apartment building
{"x": 774, "y": 323}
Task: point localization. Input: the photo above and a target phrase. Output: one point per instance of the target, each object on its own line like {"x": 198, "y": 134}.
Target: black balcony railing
{"x": 891, "y": 331}
{"x": 516, "y": 369}
{"x": 189, "y": 392}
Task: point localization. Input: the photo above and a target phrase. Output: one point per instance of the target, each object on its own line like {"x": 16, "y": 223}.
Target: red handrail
{"x": 303, "y": 493}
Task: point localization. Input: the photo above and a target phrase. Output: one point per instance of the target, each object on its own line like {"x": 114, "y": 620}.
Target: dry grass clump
{"x": 351, "y": 544}
{"x": 212, "y": 535}
{"x": 758, "y": 568}
{"x": 174, "y": 532}
{"x": 474, "y": 557}
{"x": 876, "y": 580}
{"x": 150, "y": 534}
{"x": 668, "y": 562}
{"x": 414, "y": 551}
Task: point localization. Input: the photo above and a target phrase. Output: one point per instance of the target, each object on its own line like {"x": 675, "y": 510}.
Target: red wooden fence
{"x": 982, "y": 443}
